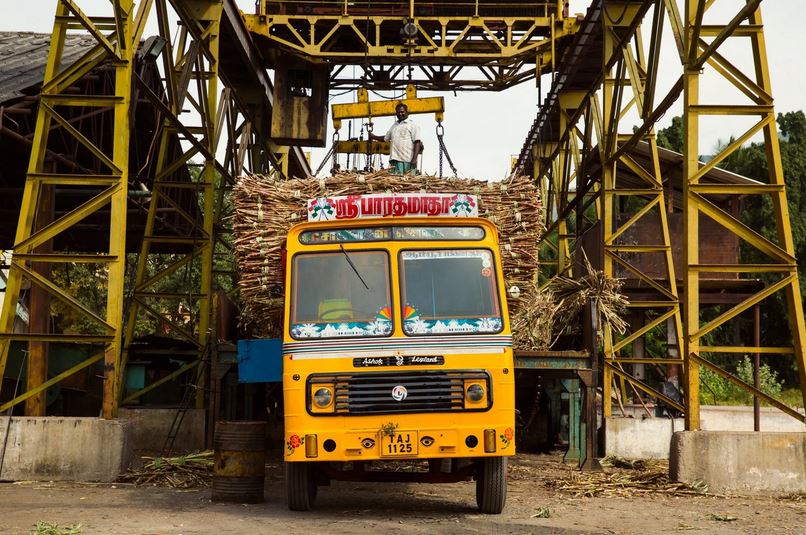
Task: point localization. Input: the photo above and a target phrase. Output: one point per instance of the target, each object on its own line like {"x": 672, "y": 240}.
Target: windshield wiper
{"x": 343, "y": 250}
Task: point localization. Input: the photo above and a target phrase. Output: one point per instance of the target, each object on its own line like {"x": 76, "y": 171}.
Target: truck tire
{"x": 491, "y": 485}
{"x": 300, "y": 485}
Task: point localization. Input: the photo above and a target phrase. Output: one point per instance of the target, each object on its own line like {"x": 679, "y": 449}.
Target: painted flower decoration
{"x": 294, "y": 442}
{"x": 379, "y": 327}
{"x": 306, "y": 330}
{"x": 506, "y": 437}
{"x": 417, "y": 326}
{"x": 385, "y": 313}
{"x": 488, "y": 324}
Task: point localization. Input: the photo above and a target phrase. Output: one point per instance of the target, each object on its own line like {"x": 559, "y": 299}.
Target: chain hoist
{"x": 368, "y": 125}
{"x": 327, "y": 156}
{"x": 443, "y": 151}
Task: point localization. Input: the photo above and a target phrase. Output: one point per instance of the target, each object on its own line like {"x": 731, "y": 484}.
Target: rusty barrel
{"x": 240, "y": 460}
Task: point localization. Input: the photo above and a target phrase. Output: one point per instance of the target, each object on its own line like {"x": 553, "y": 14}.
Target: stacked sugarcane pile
{"x": 626, "y": 478}
{"x": 266, "y": 208}
{"x": 184, "y": 471}
{"x": 546, "y": 313}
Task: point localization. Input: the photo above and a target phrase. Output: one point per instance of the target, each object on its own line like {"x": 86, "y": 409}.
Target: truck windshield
{"x": 332, "y": 298}
{"x": 449, "y": 292}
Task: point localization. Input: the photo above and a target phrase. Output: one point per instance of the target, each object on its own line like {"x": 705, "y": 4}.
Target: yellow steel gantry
{"x": 701, "y": 56}
{"x": 194, "y": 66}
{"x": 238, "y": 121}
{"x": 117, "y": 37}
{"x": 627, "y": 191}
{"x": 606, "y": 191}
{"x": 445, "y": 45}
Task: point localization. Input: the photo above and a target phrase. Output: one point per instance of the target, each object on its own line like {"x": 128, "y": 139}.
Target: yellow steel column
{"x": 691, "y": 277}
{"x": 607, "y": 145}
{"x": 117, "y": 225}
{"x": 778, "y": 270}
{"x": 191, "y": 80}
{"x": 115, "y": 43}
{"x": 205, "y": 302}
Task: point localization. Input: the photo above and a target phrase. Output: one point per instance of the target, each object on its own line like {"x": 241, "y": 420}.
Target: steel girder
{"x": 117, "y": 35}
{"x": 491, "y": 47}
{"x": 628, "y": 74}
{"x": 583, "y": 168}
{"x": 700, "y": 56}
{"x": 190, "y": 64}
{"x": 628, "y": 82}
{"x": 241, "y": 120}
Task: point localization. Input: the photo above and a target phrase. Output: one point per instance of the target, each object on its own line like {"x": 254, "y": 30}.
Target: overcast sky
{"x": 483, "y": 130}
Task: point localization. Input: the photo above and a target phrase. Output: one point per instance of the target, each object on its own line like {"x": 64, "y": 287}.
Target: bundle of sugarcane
{"x": 266, "y": 208}
{"x": 544, "y": 314}
{"x": 533, "y": 319}
{"x": 184, "y": 471}
{"x": 572, "y": 295}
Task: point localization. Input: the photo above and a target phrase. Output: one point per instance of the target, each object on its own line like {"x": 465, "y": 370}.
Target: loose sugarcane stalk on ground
{"x": 623, "y": 477}
{"x": 184, "y": 471}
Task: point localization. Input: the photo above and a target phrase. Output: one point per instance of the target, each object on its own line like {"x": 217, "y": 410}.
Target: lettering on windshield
{"x": 370, "y": 234}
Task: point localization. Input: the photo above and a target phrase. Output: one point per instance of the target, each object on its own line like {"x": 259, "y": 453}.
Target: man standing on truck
{"x": 406, "y": 145}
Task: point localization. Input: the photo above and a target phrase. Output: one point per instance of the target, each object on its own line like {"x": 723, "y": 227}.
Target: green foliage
{"x": 672, "y": 137}
{"x": 542, "y": 512}
{"x": 717, "y": 390}
{"x": 792, "y": 397}
{"x": 757, "y": 213}
{"x": 49, "y": 528}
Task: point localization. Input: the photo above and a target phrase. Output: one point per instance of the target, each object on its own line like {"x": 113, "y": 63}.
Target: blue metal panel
{"x": 260, "y": 360}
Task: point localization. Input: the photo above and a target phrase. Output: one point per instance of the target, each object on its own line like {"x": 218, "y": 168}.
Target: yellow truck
{"x": 396, "y": 346}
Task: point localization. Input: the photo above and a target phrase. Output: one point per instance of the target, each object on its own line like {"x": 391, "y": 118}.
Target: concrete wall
{"x": 740, "y": 461}
{"x": 641, "y": 437}
{"x": 148, "y": 429}
{"x": 56, "y": 448}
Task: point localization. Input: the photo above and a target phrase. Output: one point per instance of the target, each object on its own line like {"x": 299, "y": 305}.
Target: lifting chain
{"x": 331, "y": 151}
{"x": 444, "y": 151}
{"x": 368, "y": 167}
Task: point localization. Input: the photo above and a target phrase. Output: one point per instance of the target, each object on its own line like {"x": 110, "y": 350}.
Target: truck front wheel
{"x": 491, "y": 485}
{"x": 300, "y": 484}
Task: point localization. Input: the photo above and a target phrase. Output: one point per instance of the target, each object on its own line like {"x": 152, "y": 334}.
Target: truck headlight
{"x": 475, "y": 393}
{"x": 323, "y": 397}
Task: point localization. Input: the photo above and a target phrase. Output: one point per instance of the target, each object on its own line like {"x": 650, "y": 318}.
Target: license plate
{"x": 402, "y": 444}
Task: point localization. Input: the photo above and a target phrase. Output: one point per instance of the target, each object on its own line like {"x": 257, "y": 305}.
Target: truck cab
{"x": 396, "y": 347}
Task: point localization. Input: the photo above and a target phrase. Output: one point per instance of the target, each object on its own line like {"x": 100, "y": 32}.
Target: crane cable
{"x": 443, "y": 151}
{"x": 330, "y": 152}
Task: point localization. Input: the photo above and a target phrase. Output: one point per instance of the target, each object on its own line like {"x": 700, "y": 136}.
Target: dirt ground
{"x": 539, "y": 485}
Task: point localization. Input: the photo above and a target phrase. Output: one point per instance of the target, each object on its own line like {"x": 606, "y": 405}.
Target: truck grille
{"x": 427, "y": 391}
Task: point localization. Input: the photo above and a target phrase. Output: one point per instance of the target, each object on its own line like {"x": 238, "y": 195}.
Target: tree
{"x": 672, "y": 137}
{"x": 757, "y": 213}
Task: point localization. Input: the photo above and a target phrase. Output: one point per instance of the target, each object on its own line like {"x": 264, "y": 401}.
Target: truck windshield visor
{"x": 341, "y": 294}
{"x": 449, "y": 292}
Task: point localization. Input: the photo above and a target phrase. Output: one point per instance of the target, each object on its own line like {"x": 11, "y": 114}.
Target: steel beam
{"x": 116, "y": 45}
{"x": 702, "y": 58}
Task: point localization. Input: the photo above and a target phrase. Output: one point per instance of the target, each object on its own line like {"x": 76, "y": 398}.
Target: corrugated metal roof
{"x": 23, "y": 56}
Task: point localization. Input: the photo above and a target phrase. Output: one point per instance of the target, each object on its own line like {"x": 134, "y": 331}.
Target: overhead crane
{"x": 577, "y": 149}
